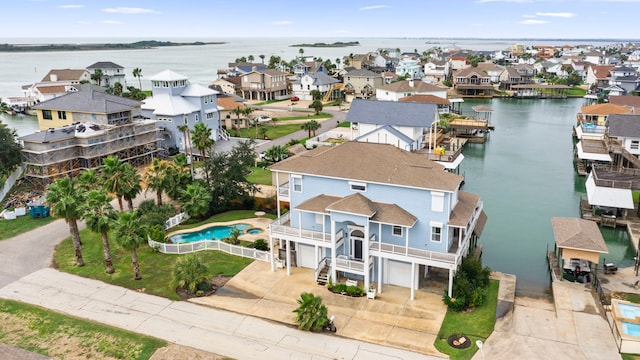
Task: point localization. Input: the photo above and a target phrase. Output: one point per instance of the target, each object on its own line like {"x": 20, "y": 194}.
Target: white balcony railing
{"x": 283, "y": 190}
{"x": 279, "y": 230}
{"x": 345, "y": 264}
{"x": 413, "y": 252}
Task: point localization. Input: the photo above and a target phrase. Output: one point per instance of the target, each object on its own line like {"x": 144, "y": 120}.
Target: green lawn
{"x": 272, "y": 132}
{"x": 477, "y": 325}
{"x": 310, "y": 115}
{"x": 60, "y": 336}
{"x": 22, "y": 224}
{"x": 576, "y": 91}
{"x": 260, "y": 176}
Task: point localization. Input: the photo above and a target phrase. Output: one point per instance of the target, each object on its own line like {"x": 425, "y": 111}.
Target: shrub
{"x": 311, "y": 314}
{"x": 355, "y": 291}
{"x": 234, "y": 236}
{"x": 261, "y": 244}
{"x": 189, "y": 272}
{"x": 157, "y": 234}
{"x": 468, "y": 285}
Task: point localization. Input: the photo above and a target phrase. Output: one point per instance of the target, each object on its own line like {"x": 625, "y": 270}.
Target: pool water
{"x": 631, "y": 329}
{"x": 210, "y": 233}
{"x": 629, "y": 311}
{"x": 254, "y": 231}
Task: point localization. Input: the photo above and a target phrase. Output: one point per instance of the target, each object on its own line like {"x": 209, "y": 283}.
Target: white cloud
{"x": 282, "y": 22}
{"x": 70, "y": 6}
{"x": 374, "y": 7}
{"x": 559, "y": 14}
{"x": 533, "y": 22}
{"x": 111, "y": 22}
{"x": 128, "y": 10}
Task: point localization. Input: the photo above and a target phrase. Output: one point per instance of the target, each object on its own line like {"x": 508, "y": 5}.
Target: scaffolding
{"x": 137, "y": 143}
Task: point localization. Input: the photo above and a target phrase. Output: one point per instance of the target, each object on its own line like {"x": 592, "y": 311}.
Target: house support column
{"x": 289, "y": 259}
{"x": 413, "y": 280}
{"x": 450, "y": 290}
{"x": 333, "y": 251}
{"x": 273, "y": 261}
{"x": 367, "y": 273}
{"x": 379, "y": 274}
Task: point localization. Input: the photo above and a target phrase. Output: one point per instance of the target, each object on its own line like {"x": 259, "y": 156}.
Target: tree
{"x": 10, "y": 150}
{"x": 250, "y": 58}
{"x": 263, "y": 132}
{"x": 311, "y": 126}
{"x": 130, "y": 234}
{"x": 97, "y": 76}
{"x": 132, "y": 180}
{"x": 195, "y": 200}
{"x": 117, "y": 89}
{"x": 201, "y": 135}
{"x": 315, "y": 94}
{"x": 261, "y": 58}
{"x": 311, "y": 314}
{"x": 316, "y": 105}
{"x": 64, "y": 200}
{"x": 189, "y": 272}
{"x": 228, "y": 175}
{"x": 89, "y": 180}
{"x": 178, "y": 176}
{"x": 157, "y": 178}
{"x": 188, "y": 150}
{"x": 237, "y": 111}
{"x": 137, "y": 72}
{"x": 301, "y": 52}
{"x": 113, "y": 177}
{"x": 276, "y": 153}
{"x": 99, "y": 216}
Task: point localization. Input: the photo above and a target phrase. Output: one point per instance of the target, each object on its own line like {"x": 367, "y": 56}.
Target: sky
{"x": 353, "y": 19}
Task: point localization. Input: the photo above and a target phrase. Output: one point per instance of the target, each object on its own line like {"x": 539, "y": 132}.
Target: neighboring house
{"x": 227, "y": 85}
{"x": 230, "y": 121}
{"x": 404, "y": 88}
{"x": 623, "y": 81}
{"x": 90, "y": 104}
{"x": 80, "y": 129}
{"x": 544, "y": 51}
{"x": 361, "y": 84}
{"x": 389, "y": 77}
{"x": 629, "y": 101}
{"x": 241, "y": 68}
{"x": 314, "y": 81}
{"x": 444, "y": 105}
{"x": 176, "y": 102}
{"x": 458, "y": 62}
{"x": 401, "y": 124}
{"x": 559, "y": 70}
{"x": 267, "y": 84}
{"x": 594, "y": 57}
{"x": 373, "y": 213}
{"x": 520, "y": 74}
{"x": 409, "y": 67}
{"x": 624, "y": 130}
{"x": 472, "y": 82}
{"x": 597, "y": 114}
{"x": 436, "y": 71}
{"x": 67, "y": 76}
{"x": 493, "y": 71}
{"x": 111, "y": 73}
{"x": 302, "y": 68}
{"x": 598, "y": 76}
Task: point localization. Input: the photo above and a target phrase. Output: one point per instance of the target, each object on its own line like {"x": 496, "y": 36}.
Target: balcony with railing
{"x": 357, "y": 266}
{"x": 410, "y": 252}
{"x": 281, "y": 228}
{"x": 283, "y": 190}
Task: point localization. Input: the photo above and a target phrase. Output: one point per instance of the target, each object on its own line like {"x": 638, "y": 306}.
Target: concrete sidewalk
{"x": 223, "y": 332}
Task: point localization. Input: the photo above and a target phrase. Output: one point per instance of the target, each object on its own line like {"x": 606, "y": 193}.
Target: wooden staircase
{"x": 323, "y": 276}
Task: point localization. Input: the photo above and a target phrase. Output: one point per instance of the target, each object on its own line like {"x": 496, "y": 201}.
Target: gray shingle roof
{"x": 624, "y": 125}
{"x": 104, "y": 65}
{"x": 362, "y": 72}
{"x": 52, "y": 135}
{"x": 375, "y": 163}
{"x": 89, "y": 100}
{"x": 391, "y": 130}
{"x": 392, "y": 113}
{"x": 577, "y": 233}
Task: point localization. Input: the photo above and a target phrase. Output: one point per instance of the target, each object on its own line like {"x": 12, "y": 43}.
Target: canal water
{"x": 525, "y": 176}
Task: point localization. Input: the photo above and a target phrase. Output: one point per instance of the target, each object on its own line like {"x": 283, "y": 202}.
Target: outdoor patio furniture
{"x": 350, "y": 282}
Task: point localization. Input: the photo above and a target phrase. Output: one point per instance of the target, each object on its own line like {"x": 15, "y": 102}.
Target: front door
{"x": 357, "y": 238}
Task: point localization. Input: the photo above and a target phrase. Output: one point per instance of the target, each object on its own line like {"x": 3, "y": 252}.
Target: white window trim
{"x": 293, "y": 183}
{"x": 355, "y": 183}
{"x": 394, "y": 227}
{"x": 433, "y": 224}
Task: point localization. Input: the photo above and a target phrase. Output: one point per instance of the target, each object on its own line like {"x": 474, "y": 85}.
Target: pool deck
{"x": 257, "y": 223}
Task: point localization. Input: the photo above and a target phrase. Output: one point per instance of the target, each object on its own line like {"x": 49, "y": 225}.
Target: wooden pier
{"x": 552, "y": 259}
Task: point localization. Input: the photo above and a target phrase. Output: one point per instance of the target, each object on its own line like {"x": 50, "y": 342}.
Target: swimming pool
{"x": 216, "y": 232}
{"x": 628, "y": 311}
{"x": 254, "y": 231}
{"x": 631, "y": 329}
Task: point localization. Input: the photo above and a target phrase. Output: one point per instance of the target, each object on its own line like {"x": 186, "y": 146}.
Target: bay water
{"x": 524, "y": 173}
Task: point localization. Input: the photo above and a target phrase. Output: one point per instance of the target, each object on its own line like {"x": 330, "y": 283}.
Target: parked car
{"x": 295, "y": 98}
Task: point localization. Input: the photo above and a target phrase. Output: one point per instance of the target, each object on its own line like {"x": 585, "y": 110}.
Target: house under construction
{"x": 114, "y": 130}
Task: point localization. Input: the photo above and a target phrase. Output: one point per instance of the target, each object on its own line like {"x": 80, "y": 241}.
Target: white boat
{"x": 577, "y": 267}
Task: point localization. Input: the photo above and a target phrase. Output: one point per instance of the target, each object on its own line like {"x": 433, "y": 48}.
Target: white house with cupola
{"x": 176, "y": 102}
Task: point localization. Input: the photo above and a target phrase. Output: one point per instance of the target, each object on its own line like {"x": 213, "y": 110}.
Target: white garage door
{"x": 398, "y": 273}
{"x": 306, "y": 256}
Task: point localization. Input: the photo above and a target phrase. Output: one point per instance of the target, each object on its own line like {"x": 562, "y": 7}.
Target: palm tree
{"x": 97, "y": 76}
{"x": 156, "y": 178}
{"x": 250, "y": 58}
{"x": 89, "y": 180}
{"x": 261, "y": 58}
{"x": 190, "y": 271}
{"x": 248, "y": 111}
{"x": 316, "y": 105}
{"x": 315, "y": 94}
{"x": 64, "y": 200}
{"x": 311, "y": 314}
{"x": 201, "y": 135}
{"x": 301, "y": 52}
{"x": 310, "y": 126}
{"x": 137, "y": 72}
{"x": 113, "y": 177}
{"x": 276, "y": 153}
{"x": 184, "y": 129}
{"x": 178, "y": 176}
{"x": 99, "y": 215}
{"x": 132, "y": 188}
{"x": 130, "y": 235}
{"x": 237, "y": 112}
{"x": 195, "y": 200}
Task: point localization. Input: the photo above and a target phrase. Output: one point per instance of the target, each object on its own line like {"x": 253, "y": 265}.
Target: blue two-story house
{"x": 177, "y": 102}
{"x": 374, "y": 213}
